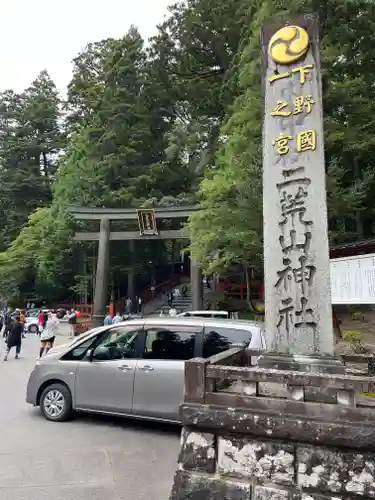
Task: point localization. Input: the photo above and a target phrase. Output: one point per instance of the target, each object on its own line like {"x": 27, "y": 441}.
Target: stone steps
{"x": 181, "y": 303}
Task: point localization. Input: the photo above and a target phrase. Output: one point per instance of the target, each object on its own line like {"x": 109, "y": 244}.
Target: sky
{"x": 48, "y": 34}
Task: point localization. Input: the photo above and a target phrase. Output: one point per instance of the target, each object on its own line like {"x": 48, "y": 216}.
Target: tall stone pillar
{"x": 296, "y": 256}
{"x": 102, "y": 273}
{"x": 131, "y": 284}
{"x": 293, "y": 432}
{"x": 196, "y": 286}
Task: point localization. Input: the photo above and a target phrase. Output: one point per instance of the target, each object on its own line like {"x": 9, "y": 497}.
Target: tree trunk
{"x": 250, "y": 302}
{"x": 358, "y": 218}
{"x": 45, "y": 163}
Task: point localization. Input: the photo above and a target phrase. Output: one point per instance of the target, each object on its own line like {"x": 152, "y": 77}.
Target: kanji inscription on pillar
{"x": 296, "y": 255}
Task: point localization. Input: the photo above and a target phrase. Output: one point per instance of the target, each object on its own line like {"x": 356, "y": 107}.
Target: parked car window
{"x": 33, "y": 313}
{"x": 169, "y": 343}
{"x": 219, "y": 339}
{"x": 117, "y": 343}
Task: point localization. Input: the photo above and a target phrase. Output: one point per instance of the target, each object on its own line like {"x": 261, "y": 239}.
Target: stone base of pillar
{"x": 300, "y": 363}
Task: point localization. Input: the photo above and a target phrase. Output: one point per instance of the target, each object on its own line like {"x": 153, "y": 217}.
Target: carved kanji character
{"x": 286, "y": 316}
{"x": 304, "y": 274}
{"x": 282, "y": 143}
{"x": 306, "y": 141}
{"x": 293, "y": 202}
{"x": 285, "y": 276}
{"x": 305, "y": 316}
{"x": 303, "y": 72}
{"x": 280, "y": 106}
{"x": 302, "y": 103}
{"x": 278, "y": 76}
{"x": 295, "y": 241}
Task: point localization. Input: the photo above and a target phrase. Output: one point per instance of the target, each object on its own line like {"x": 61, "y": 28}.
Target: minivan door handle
{"x": 146, "y": 368}
{"x": 125, "y": 368}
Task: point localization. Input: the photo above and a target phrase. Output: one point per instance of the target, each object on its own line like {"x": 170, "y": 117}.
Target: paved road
{"x": 88, "y": 458}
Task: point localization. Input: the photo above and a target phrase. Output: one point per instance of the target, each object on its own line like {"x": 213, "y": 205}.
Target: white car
{"x": 31, "y": 323}
{"x": 205, "y": 314}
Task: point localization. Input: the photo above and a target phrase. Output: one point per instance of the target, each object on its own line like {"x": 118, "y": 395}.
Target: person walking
{"x": 139, "y": 305}
{"x": 7, "y": 323}
{"x": 14, "y": 338}
{"x": 40, "y": 322}
{"x": 48, "y": 335}
{"x": 45, "y": 319}
{"x": 108, "y": 320}
{"x": 72, "y": 320}
{"x": 117, "y": 318}
{"x": 173, "y": 311}
{"x": 23, "y": 321}
{"x": 128, "y": 305}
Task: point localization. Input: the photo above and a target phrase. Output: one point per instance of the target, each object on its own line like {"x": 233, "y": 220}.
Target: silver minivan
{"x": 135, "y": 368}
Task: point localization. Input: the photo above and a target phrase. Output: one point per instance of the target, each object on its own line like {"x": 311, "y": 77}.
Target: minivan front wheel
{"x": 56, "y": 403}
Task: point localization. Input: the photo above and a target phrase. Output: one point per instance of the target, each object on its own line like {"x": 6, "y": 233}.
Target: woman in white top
{"x": 48, "y": 335}
{"x": 172, "y": 311}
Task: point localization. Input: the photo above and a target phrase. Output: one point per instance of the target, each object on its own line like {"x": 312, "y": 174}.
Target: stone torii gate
{"x": 148, "y": 230}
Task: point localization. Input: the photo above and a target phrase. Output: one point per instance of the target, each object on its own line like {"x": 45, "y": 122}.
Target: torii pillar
{"x": 196, "y": 286}
{"x": 102, "y": 273}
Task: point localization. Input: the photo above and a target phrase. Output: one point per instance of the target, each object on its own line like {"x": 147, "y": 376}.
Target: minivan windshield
{"x": 85, "y": 335}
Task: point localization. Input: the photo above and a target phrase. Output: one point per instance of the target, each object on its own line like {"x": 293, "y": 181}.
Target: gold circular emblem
{"x": 288, "y": 44}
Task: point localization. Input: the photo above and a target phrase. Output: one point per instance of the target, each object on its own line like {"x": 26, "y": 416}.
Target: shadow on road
{"x": 128, "y": 424}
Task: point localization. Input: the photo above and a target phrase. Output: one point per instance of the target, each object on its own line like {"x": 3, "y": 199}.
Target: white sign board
{"x": 353, "y": 280}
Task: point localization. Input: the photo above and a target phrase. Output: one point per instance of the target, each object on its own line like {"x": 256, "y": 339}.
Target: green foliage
{"x": 217, "y": 301}
{"x": 228, "y": 228}
{"x": 221, "y": 235}
{"x": 352, "y": 336}
{"x": 358, "y": 316}
{"x": 30, "y": 138}
{"x": 177, "y": 123}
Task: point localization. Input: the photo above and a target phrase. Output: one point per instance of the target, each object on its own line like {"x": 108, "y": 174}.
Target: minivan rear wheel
{"x": 56, "y": 403}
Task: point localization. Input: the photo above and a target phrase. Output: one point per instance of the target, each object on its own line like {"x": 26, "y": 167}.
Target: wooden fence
{"x": 85, "y": 323}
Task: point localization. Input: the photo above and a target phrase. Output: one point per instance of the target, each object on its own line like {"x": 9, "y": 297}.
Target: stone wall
{"x": 215, "y": 465}
{"x": 242, "y": 441}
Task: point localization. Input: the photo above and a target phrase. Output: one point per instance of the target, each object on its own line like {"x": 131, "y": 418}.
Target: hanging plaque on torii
{"x": 147, "y": 222}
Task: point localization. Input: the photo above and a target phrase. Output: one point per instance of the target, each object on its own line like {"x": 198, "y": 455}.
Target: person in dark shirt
{"x": 7, "y": 323}
{"x": 45, "y": 319}
{"x": 14, "y": 338}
